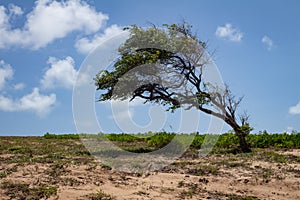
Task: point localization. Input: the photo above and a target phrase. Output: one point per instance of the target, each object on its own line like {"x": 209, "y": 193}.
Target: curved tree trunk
{"x": 245, "y": 147}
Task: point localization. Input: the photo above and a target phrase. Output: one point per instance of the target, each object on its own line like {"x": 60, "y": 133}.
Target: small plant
{"x": 202, "y": 170}
{"x": 142, "y": 193}
{"x": 238, "y": 197}
{"x": 71, "y": 181}
{"x": 100, "y": 195}
{"x": 192, "y": 190}
{"x": 267, "y": 175}
{"x": 57, "y": 169}
{"x": 273, "y": 157}
{"x": 180, "y": 184}
{"x": 43, "y": 191}
{"x": 189, "y": 193}
{"x": 23, "y": 191}
{"x": 3, "y": 174}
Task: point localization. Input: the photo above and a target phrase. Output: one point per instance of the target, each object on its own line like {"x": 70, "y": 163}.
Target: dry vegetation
{"x": 61, "y": 168}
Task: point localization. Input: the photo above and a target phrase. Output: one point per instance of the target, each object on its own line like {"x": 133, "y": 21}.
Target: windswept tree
{"x": 167, "y": 66}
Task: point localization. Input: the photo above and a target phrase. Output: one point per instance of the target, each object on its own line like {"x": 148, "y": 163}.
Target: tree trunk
{"x": 245, "y": 147}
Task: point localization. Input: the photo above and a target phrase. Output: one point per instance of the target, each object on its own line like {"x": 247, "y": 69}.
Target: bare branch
{"x": 244, "y": 118}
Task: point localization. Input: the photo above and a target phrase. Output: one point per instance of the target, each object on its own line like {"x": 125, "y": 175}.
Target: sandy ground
{"x": 213, "y": 177}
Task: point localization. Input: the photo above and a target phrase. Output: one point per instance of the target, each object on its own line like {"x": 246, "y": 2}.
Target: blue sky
{"x": 43, "y": 43}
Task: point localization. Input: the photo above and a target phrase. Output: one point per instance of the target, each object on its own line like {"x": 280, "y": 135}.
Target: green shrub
{"x": 123, "y": 137}
{"x": 60, "y": 136}
{"x": 160, "y": 139}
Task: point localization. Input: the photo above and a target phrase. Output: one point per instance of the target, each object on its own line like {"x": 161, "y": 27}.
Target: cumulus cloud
{"x": 15, "y": 10}
{"x": 19, "y": 86}
{"x": 229, "y": 32}
{"x": 85, "y": 45}
{"x": 124, "y": 110}
{"x": 34, "y": 102}
{"x": 49, "y": 20}
{"x": 61, "y": 73}
{"x": 121, "y": 110}
{"x": 268, "y": 41}
{"x": 6, "y": 73}
{"x": 124, "y": 115}
{"x": 295, "y": 110}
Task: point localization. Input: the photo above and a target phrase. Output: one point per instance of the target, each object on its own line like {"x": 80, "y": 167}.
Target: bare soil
{"x": 263, "y": 174}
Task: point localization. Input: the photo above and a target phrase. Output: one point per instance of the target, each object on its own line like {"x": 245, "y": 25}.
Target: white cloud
{"x": 229, "y": 33}
{"x": 34, "y": 102}
{"x": 60, "y": 74}
{"x": 3, "y": 17}
{"x": 121, "y": 110}
{"x": 290, "y": 129}
{"x": 6, "y": 73}
{"x": 268, "y": 41}
{"x": 49, "y": 20}
{"x": 15, "y": 10}
{"x": 125, "y": 115}
{"x": 295, "y": 110}
{"x": 19, "y": 86}
{"x": 124, "y": 110}
{"x": 85, "y": 45}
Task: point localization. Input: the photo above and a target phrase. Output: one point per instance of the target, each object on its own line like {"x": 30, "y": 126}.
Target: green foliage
{"x": 164, "y": 65}
{"x": 158, "y": 50}
{"x": 100, "y": 195}
{"x": 60, "y": 136}
{"x": 130, "y": 59}
{"x": 160, "y": 139}
{"x": 29, "y": 150}
{"x": 123, "y": 137}
{"x": 266, "y": 140}
{"x": 273, "y": 157}
{"x": 202, "y": 170}
{"x": 227, "y": 140}
{"x": 246, "y": 129}
{"x": 198, "y": 140}
{"x": 3, "y": 174}
{"x": 261, "y": 140}
{"x": 23, "y": 191}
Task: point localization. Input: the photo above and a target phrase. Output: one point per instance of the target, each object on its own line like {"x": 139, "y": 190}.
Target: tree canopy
{"x": 166, "y": 65}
